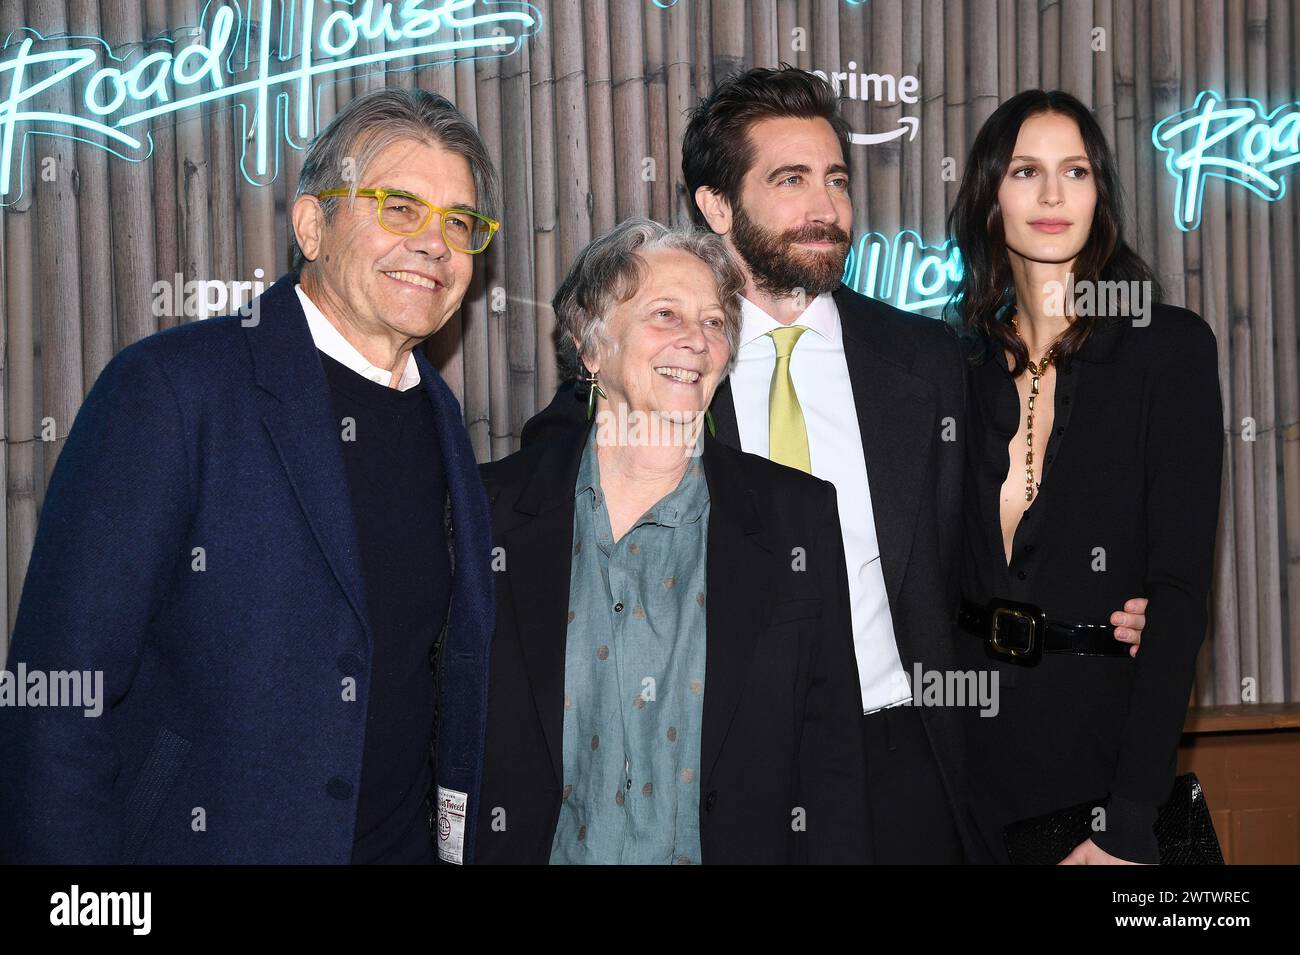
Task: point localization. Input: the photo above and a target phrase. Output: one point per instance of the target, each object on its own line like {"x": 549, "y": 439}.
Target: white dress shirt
{"x": 821, "y": 380}
{"x": 331, "y": 341}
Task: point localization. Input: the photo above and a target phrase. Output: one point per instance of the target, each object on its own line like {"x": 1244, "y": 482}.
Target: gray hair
{"x": 368, "y": 125}
{"x": 610, "y": 270}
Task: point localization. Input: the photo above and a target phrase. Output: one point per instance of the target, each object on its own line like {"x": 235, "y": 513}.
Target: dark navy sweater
{"x": 394, "y": 474}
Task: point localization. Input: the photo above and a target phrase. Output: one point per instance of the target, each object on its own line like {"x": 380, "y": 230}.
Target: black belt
{"x": 1021, "y": 633}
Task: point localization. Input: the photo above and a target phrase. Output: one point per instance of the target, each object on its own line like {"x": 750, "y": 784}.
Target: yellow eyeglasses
{"x": 405, "y": 214}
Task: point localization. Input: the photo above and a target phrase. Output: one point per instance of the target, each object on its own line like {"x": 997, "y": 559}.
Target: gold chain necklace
{"x": 1036, "y": 373}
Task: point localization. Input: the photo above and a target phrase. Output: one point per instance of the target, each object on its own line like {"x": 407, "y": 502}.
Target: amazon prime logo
{"x": 879, "y": 88}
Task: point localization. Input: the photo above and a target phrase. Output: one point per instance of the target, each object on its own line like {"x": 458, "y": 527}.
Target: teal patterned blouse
{"x": 634, "y": 679}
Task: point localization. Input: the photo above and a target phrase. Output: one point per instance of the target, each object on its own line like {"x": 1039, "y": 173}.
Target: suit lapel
{"x": 738, "y": 567}
{"x": 305, "y": 434}
{"x": 539, "y": 555}
{"x": 896, "y": 418}
{"x": 723, "y": 410}
{"x": 470, "y": 524}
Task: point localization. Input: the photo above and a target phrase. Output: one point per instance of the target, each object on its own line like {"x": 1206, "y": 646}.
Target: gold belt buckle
{"x": 1002, "y": 610}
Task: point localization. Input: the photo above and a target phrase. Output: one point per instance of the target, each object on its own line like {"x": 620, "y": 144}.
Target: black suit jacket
{"x": 781, "y": 762}
{"x": 909, "y": 384}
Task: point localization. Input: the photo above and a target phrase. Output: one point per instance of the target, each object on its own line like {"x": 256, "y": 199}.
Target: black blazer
{"x": 908, "y": 377}
{"x": 781, "y": 727}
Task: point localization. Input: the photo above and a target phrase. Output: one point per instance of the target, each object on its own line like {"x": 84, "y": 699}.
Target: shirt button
{"x": 1029, "y": 548}
{"x": 629, "y": 785}
{"x": 618, "y": 607}
{"x": 1060, "y": 431}
{"x": 1021, "y": 575}
{"x": 339, "y": 788}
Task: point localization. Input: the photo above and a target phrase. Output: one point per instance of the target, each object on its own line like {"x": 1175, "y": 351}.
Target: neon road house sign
{"x": 1232, "y": 139}
{"x": 117, "y": 101}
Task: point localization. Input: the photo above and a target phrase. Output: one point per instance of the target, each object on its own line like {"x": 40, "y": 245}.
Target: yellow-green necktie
{"x": 786, "y": 432}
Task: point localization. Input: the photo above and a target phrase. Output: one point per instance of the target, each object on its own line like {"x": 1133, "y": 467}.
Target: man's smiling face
{"x": 400, "y": 287}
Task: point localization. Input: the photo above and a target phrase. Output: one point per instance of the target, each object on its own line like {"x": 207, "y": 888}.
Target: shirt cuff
{"x": 1130, "y": 831}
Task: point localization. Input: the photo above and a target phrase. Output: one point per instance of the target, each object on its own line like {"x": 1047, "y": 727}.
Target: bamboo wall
{"x": 571, "y": 118}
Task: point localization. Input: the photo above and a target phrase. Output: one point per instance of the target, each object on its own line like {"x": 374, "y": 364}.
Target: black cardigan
{"x": 1128, "y": 507}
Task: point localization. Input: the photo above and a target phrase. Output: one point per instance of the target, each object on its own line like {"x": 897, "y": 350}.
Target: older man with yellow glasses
{"x": 268, "y": 532}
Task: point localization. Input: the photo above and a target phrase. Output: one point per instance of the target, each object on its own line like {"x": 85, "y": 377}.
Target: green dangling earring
{"x": 708, "y": 419}
{"x": 593, "y": 390}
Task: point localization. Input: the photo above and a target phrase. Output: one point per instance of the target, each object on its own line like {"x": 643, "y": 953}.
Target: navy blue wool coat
{"x": 228, "y": 733}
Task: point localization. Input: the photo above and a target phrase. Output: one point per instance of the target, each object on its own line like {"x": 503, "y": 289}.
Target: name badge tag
{"x": 451, "y": 825}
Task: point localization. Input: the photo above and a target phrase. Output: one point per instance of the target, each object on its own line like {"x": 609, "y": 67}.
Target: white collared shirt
{"x": 821, "y": 381}
{"x": 331, "y": 341}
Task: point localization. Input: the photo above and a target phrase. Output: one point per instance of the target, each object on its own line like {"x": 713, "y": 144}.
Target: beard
{"x": 779, "y": 267}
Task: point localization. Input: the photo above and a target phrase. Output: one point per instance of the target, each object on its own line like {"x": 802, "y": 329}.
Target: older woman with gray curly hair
{"x": 672, "y": 675}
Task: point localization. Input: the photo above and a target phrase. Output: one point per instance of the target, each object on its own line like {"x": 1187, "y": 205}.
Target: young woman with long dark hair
{"x": 1095, "y": 449}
